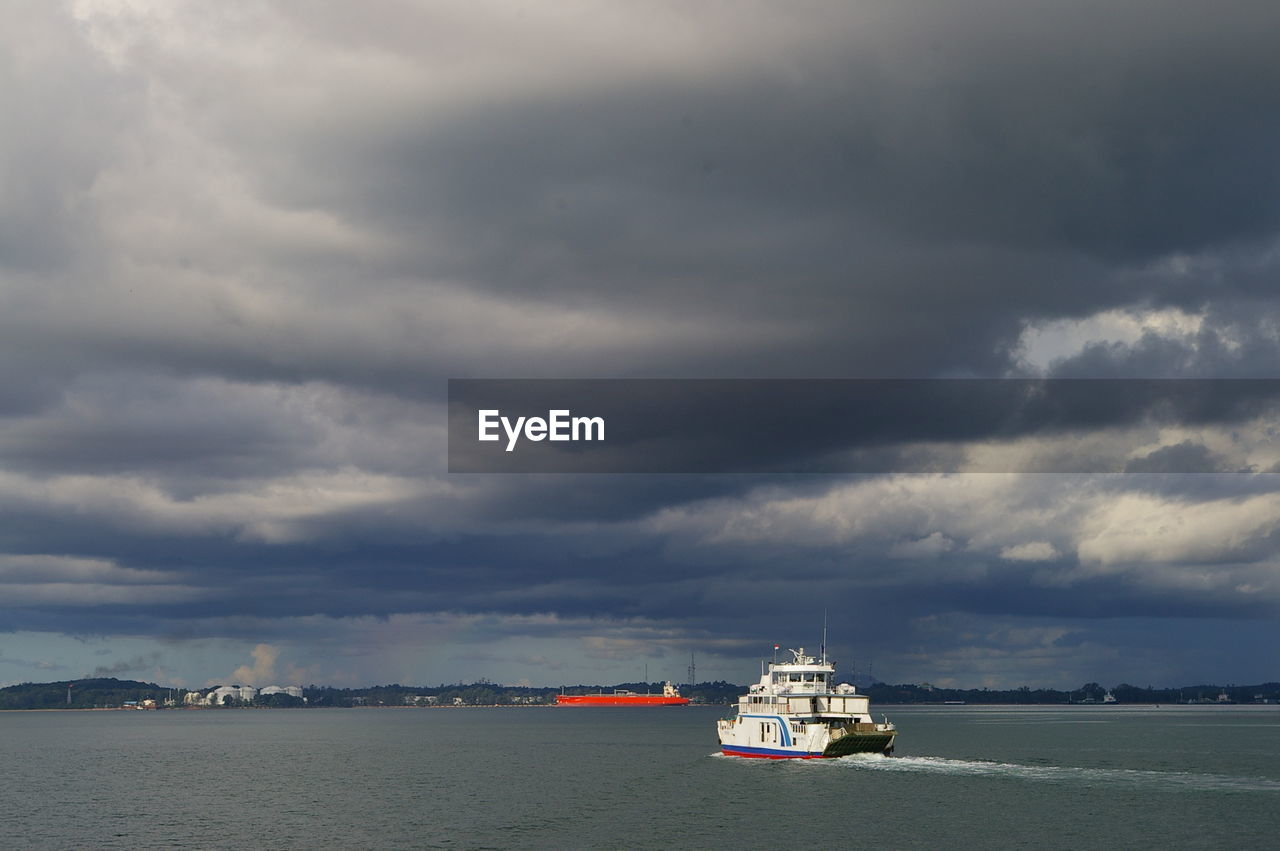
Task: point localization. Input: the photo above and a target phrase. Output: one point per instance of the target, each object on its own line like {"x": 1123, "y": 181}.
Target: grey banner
{"x": 862, "y": 426}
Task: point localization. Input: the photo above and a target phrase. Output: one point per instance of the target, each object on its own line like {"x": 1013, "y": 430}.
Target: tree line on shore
{"x": 110, "y": 693}
{"x": 883, "y": 693}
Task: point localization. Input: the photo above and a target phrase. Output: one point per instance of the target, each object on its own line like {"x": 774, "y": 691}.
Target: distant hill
{"x": 94, "y": 693}
{"x": 493, "y": 694}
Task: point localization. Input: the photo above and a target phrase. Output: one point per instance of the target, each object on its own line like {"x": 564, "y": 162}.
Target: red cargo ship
{"x": 621, "y": 697}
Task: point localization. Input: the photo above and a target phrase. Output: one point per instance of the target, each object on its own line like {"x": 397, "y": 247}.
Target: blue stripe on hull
{"x": 768, "y": 753}
{"x": 782, "y": 725}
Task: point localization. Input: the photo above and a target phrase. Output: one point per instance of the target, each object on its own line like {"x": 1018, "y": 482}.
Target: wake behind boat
{"x": 795, "y": 712}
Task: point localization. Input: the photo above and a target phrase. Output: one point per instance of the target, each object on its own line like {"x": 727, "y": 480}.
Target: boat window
{"x": 795, "y": 678}
{"x": 822, "y": 678}
{"x": 808, "y": 678}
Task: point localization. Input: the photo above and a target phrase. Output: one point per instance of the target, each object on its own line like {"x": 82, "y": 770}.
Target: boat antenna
{"x": 824, "y": 636}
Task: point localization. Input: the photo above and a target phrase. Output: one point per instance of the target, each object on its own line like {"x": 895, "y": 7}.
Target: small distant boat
{"x": 795, "y": 712}
{"x": 621, "y": 697}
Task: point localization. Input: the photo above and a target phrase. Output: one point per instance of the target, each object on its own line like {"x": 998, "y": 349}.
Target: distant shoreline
{"x": 1107, "y": 706}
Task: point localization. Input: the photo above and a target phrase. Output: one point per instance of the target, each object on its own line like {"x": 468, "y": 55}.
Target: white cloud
{"x": 982, "y": 513}
{"x": 289, "y": 508}
{"x": 1044, "y": 342}
{"x": 1149, "y": 529}
{"x": 56, "y": 568}
{"x": 261, "y": 673}
{"x": 1030, "y": 551}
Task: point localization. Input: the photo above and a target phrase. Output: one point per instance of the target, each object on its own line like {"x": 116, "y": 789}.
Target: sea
{"x": 625, "y": 777}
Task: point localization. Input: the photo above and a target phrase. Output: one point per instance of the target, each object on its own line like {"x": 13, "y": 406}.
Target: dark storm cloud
{"x": 1070, "y": 123}
{"x": 892, "y": 176}
{"x": 128, "y": 666}
{"x": 979, "y": 165}
{"x": 1186, "y": 457}
{"x": 242, "y": 248}
{"x": 29, "y": 663}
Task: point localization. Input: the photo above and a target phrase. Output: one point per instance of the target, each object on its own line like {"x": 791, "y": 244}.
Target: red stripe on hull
{"x": 744, "y": 755}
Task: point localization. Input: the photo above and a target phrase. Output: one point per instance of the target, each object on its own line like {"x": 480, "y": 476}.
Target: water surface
{"x": 1053, "y": 777}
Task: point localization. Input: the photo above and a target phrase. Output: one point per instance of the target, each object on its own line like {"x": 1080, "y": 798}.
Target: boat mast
{"x": 824, "y": 636}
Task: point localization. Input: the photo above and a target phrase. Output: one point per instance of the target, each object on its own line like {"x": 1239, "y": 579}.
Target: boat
{"x": 622, "y": 697}
{"x": 795, "y": 712}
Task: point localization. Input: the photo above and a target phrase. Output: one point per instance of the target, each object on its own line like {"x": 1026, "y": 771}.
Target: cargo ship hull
{"x": 620, "y": 700}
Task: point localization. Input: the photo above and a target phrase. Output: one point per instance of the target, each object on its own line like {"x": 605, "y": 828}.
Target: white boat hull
{"x": 777, "y": 737}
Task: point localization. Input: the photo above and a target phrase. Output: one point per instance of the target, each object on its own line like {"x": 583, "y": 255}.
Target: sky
{"x": 243, "y": 247}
